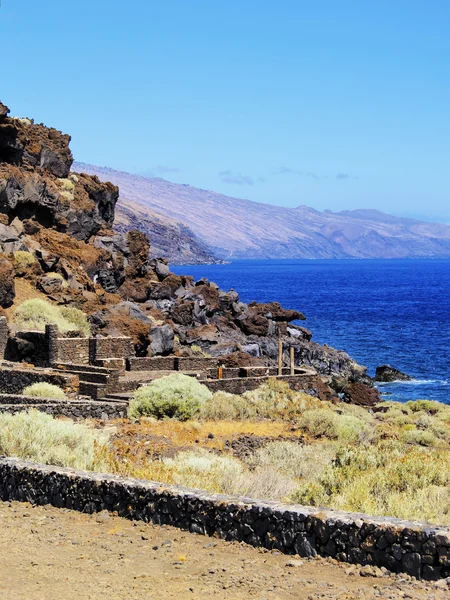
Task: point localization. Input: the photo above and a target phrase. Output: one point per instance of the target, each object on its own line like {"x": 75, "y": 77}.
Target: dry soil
{"x": 48, "y": 553}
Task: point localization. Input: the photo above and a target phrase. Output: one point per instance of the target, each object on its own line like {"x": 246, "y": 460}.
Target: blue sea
{"x": 379, "y": 311}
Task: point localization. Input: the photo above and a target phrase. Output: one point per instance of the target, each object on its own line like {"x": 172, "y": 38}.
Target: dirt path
{"x": 46, "y": 553}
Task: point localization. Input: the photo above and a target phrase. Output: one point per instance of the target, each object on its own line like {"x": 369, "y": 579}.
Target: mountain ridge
{"x": 235, "y": 228}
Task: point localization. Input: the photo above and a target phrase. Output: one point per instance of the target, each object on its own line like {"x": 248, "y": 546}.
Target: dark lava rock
{"x": 7, "y": 287}
{"x": 162, "y": 340}
{"x": 361, "y": 394}
{"x": 387, "y": 374}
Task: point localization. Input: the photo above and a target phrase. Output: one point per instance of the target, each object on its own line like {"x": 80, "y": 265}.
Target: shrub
{"x": 176, "y": 396}
{"x": 33, "y": 435}
{"x": 23, "y": 260}
{"x": 202, "y": 469}
{"x": 351, "y": 429}
{"x": 44, "y": 390}
{"x": 417, "y": 436}
{"x": 294, "y": 459}
{"x": 77, "y": 319}
{"x": 35, "y": 314}
{"x": 227, "y": 407}
{"x": 274, "y": 399}
{"x": 320, "y": 423}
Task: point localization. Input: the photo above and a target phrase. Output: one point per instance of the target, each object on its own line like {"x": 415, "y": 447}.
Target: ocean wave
{"x": 414, "y": 382}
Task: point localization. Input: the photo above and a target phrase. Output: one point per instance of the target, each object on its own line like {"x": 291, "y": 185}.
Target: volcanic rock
{"x": 361, "y": 394}
{"x": 7, "y": 287}
{"x": 161, "y": 340}
{"x": 388, "y": 374}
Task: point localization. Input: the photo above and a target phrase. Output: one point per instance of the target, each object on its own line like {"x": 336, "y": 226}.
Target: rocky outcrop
{"x": 7, "y": 287}
{"x": 35, "y": 181}
{"x": 388, "y": 374}
{"x": 23, "y": 143}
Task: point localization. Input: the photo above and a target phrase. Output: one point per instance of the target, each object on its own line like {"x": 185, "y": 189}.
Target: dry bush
{"x": 275, "y": 400}
{"x": 36, "y": 436}
{"x": 44, "y": 390}
{"x": 23, "y": 261}
{"x": 35, "y": 314}
{"x": 223, "y": 406}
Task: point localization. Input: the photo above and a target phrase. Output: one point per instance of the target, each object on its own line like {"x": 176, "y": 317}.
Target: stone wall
{"x": 4, "y": 335}
{"x": 75, "y": 350}
{"x": 13, "y": 378}
{"x": 76, "y": 409}
{"x": 157, "y": 363}
{"x": 112, "y": 347}
{"x": 171, "y": 363}
{"x": 310, "y": 384}
{"x": 400, "y": 546}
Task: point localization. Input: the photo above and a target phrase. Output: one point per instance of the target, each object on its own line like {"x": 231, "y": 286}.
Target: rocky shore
{"x": 57, "y": 241}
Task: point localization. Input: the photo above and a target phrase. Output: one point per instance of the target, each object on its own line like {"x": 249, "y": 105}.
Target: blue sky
{"x": 334, "y": 104}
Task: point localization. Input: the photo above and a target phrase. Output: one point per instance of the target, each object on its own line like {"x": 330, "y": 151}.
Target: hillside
{"x": 241, "y": 229}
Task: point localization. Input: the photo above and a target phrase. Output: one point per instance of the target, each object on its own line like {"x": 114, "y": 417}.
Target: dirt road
{"x": 47, "y": 553}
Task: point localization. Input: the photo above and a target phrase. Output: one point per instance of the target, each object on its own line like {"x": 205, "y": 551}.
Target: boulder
{"x": 7, "y": 287}
{"x": 388, "y": 374}
{"x": 50, "y": 284}
{"x": 161, "y": 269}
{"x": 161, "y": 340}
{"x": 274, "y": 310}
{"x": 361, "y": 394}
{"x": 166, "y": 289}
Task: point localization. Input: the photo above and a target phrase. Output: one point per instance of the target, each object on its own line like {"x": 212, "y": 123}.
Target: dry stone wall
{"x": 14, "y": 379}
{"x": 400, "y": 546}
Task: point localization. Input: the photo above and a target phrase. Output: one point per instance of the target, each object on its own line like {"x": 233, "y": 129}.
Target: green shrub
{"x": 176, "y": 396}
{"x": 223, "y": 406}
{"x": 44, "y": 390}
{"x": 351, "y": 429}
{"x": 35, "y": 314}
{"x": 320, "y": 422}
{"x": 23, "y": 260}
{"x": 33, "y": 435}
{"x": 417, "y": 436}
{"x": 77, "y": 319}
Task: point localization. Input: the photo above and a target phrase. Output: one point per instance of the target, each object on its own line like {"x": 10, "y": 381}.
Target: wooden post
{"x": 220, "y": 372}
{"x": 292, "y": 359}
{"x": 280, "y": 356}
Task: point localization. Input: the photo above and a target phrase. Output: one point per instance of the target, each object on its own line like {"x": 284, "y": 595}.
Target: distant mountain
{"x": 241, "y": 229}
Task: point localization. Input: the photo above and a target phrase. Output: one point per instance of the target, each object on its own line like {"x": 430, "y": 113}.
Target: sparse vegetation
{"x": 23, "y": 261}
{"x": 77, "y": 319}
{"x": 39, "y": 437}
{"x": 393, "y": 461}
{"x": 35, "y": 314}
{"x": 44, "y": 390}
{"x": 176, "y": 396}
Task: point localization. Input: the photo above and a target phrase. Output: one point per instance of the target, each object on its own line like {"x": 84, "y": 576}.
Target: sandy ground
{"x": 46, "y": 553}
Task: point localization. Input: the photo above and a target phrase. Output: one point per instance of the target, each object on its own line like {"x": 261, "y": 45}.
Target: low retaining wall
{"x": 13, "y": 378}
{"x": 74, "y": 410}
{"x": 310, "y": 384}
{"x": 171, "y": 363}
{"x": 411, "y": 547}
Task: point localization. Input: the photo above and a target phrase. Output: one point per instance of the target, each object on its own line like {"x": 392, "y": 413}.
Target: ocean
{"x": 393, "y": 312}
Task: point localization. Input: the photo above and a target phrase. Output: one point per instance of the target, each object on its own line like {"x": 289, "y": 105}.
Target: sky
{"x": 336, "y": 104}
